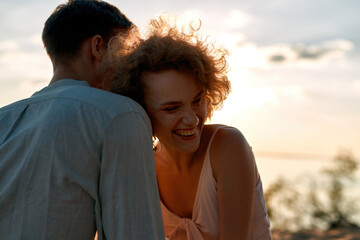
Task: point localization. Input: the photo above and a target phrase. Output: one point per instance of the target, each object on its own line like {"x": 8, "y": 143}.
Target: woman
{"x": 208, "y": 181}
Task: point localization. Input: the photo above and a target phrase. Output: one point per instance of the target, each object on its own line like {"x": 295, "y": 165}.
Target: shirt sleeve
{"x": 128, "y": 193}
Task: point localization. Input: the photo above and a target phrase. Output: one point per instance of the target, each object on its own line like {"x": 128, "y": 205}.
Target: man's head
{"x": 74, "y": 22}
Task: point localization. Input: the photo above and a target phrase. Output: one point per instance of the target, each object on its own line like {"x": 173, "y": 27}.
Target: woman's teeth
{"x": 185, "y": 133}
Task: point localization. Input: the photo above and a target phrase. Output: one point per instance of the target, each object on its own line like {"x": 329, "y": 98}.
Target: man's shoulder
{"x": 107, "y": 101}
{"x": 76, "y": 96}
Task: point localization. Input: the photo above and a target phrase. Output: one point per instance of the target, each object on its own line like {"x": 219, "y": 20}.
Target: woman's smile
{"x": 185, "y": 132}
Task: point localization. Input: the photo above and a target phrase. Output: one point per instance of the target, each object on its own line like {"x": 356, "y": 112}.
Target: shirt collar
{"x": 61, "y": 83}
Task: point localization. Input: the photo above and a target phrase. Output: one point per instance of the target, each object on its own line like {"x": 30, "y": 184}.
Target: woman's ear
{"x": 97, "y": 45}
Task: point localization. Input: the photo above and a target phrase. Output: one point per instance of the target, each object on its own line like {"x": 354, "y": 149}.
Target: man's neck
{"x": 66, "y": 72}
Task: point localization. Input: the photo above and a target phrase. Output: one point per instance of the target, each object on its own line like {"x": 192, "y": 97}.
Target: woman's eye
{"x": 169, "y": 109}
{"x": 197, "y": 101}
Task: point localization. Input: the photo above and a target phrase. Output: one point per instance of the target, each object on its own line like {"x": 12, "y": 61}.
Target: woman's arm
{"x": 236, "y": 175}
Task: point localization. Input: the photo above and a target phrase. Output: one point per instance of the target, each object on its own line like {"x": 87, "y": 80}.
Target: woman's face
{"x": 176, "y": 105}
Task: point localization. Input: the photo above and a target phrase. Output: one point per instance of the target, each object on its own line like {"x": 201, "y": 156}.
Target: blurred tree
{"x": 341, "y": 208}
{"x": 326, "y": 203}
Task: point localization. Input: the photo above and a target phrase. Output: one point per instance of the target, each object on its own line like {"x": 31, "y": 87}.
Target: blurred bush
{"x": 324, "y": 201}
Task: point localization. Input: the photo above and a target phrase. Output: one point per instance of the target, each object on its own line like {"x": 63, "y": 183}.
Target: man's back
{"x": 74, "y": 159}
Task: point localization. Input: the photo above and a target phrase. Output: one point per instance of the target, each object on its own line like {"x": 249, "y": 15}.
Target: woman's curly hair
{"x": 167, "y": 48}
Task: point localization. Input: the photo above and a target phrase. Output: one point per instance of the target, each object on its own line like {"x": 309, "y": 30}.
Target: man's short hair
{"x": 72, "y": 23}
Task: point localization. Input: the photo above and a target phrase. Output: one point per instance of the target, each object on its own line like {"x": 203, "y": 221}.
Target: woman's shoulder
{"x": 221, "y": 133}
{"x": 228, "y": 149}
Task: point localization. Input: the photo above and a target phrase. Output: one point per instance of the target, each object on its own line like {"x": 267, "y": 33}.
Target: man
{"x": 75, "y": 159}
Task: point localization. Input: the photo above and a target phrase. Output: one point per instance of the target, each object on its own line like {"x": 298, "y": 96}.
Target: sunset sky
{"x": 294, "y": 65}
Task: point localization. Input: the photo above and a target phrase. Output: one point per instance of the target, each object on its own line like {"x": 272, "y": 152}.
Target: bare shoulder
{"x": 228, "y": 138}
{"x": 230, "y": 152}
{"x": 224, "y": 133}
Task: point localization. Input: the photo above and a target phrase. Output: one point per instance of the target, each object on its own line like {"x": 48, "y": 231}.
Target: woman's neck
{"x": 174, "y": 159}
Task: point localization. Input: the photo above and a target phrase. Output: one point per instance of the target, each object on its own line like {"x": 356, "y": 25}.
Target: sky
{"x": 294, "y": 65}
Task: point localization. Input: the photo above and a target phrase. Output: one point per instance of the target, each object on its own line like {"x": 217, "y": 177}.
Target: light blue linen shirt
{"x": 75, "y": 159}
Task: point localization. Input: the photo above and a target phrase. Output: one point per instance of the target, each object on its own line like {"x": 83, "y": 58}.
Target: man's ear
{"x": 97, "y": 44}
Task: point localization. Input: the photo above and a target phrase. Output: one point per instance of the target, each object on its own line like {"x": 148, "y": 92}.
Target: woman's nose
{"x": 190, "y": 118}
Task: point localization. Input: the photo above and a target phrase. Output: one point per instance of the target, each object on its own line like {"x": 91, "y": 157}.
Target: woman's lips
{"x": 185, "y": 132}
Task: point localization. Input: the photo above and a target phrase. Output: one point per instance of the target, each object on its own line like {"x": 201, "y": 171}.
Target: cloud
{"x": 28, "y": 42}
{"x": 190, "y": 15}
{"x": 32, "y": 85}
{"x": 8, "y": 45}
{"x": 277, "y": 58}
{"x": 35, "y": 39}
{"x": 231, "y": 40}
{"x": 237, "y": 19}
{"x": 22, "y": 73}
{"x": 23, "y": 58}
{"x": 356, "y": 85}
{"x": 251, "y": 91}
{"x": 247, "y": 54}
{"x": 19, "y": 64}
{"x": 325, "y": 51}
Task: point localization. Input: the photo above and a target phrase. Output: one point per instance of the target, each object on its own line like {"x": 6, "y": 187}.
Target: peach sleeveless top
{"x": 206, "y": 215}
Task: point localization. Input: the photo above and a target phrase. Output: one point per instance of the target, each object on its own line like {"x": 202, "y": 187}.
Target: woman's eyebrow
{"x": 176, "y": 102}
{"x": 199, "y": 94}
{"x": 170, "y": 103}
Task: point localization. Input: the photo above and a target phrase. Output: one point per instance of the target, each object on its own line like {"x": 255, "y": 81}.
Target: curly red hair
{"x": 167, "y": 48}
